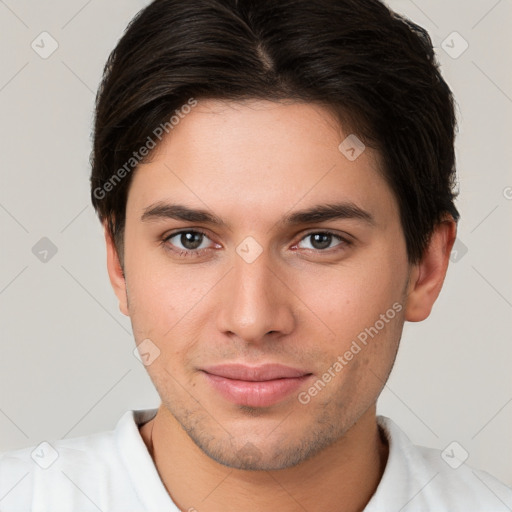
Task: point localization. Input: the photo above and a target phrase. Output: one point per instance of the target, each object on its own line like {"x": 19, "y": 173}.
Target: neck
{"x": 342, "y": 477}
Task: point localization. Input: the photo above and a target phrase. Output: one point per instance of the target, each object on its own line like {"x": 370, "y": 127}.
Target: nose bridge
{"x": 254, "y": 299}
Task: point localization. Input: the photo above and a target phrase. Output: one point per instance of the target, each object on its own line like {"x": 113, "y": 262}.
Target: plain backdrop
{"x": 66, "y": 364}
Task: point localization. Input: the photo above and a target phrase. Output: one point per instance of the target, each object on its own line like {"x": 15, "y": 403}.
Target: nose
{"x": 256, "y": 301}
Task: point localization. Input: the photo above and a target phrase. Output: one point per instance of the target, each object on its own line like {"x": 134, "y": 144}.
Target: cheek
{"x": 164, "y": 308}
{"x": 166, "y": 299}
{"x": 351, "y": 299}
{"x": 153, "y": 299}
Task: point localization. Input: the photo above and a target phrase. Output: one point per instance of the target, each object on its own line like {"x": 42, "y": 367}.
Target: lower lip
{"x": 255, "y": 394}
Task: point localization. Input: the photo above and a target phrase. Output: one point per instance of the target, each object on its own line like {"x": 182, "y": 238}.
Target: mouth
{"x": 255, "y": 386}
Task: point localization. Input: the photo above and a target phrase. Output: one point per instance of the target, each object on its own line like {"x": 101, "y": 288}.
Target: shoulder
{"x": 419, "y": 478}
{"x": 78, "y": 473}
{"x": 459, "y": 484}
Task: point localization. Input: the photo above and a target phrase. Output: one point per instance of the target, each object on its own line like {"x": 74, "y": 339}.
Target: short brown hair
{"x": 374, "y": 69}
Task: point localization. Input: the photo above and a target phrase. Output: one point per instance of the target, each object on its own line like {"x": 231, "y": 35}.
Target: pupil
{"x": 191, "y": 240}
{"x": 321, "y": 240}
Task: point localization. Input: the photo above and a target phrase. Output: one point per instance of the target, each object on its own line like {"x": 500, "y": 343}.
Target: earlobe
{"x": 115, "y": 272}
{"x": 427, "y": 276}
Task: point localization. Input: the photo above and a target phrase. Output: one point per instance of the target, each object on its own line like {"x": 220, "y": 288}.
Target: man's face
{"x": 258, "y": 290}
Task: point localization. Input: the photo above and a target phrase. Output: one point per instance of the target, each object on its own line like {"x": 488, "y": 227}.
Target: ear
{"x": 115, "y": 272}
{"x": 427, "y": 276}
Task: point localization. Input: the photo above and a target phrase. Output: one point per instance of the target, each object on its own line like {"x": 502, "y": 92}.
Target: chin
{"x": 264, "y": 453}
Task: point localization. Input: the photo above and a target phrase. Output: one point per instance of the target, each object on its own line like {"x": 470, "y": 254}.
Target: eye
{"x": 187, "y": 241}
{"x": 194, "y": 242}
{"x": 321, "y": 240}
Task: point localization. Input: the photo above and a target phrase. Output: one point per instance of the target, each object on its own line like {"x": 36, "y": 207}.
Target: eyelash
{"x": 344, "y": 242}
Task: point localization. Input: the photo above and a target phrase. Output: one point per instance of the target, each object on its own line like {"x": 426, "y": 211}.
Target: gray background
{"x": 66, "y": 365}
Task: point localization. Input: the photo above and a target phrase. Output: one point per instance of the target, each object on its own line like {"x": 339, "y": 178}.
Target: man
{"x": 275, "y": 184}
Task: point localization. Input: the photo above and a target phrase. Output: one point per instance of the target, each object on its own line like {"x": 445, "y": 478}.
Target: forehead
{"x": 259, "y": 157}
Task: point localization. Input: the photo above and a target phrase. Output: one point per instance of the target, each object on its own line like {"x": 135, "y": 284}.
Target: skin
{"x": 299, "y": 303}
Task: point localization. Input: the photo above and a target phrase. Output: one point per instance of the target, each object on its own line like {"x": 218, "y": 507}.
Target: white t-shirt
{"x": 114, "y": 472}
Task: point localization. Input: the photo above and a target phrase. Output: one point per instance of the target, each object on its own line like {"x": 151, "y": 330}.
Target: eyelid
{"x": 343, "y": 235}
{"x": 187, "y": 230}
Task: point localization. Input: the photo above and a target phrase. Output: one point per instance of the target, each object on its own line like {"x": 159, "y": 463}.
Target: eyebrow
{"x": 162, "y": 210}
{"x": 315, "y": 214}
{"x": 332, "y": 211}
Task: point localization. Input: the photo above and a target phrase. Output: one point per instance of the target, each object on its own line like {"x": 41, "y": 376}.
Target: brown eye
{"x": 188, "y": 240}
{"x": 191, "y": 240}
{"x": 322, "y": 240}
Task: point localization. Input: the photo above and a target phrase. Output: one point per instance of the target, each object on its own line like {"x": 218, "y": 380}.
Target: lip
{"x": 255, "y": 386}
